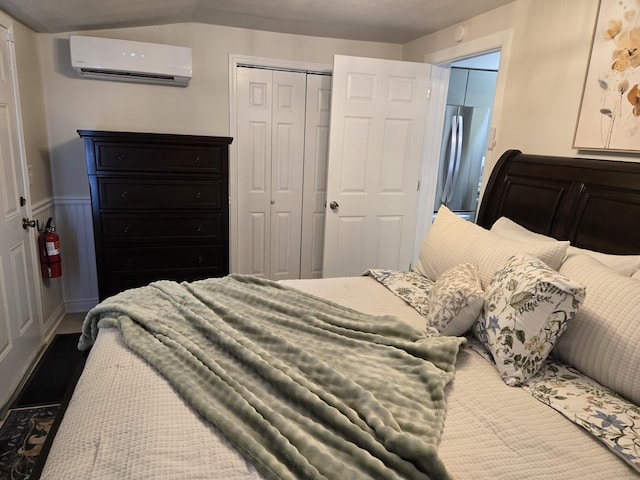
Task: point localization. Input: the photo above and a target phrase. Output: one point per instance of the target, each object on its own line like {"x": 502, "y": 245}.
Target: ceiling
{"x": 389, "y": 21}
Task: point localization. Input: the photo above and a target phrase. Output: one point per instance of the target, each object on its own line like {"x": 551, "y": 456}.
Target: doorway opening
{"x": 493, "y": 49}
{"x": 470, "y": 97}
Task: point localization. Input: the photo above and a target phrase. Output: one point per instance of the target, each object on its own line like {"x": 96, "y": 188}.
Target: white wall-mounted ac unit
{"x": 128, "y": 61}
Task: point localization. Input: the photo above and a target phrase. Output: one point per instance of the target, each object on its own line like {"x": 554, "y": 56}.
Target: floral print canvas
{"x": 610, "y": 112}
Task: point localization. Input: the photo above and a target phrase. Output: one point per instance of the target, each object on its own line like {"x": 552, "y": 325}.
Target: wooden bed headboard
{"x": 595, "y": 204}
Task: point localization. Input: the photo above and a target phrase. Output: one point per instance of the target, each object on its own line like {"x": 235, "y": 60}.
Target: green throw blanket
{"x": 302, "y": 387}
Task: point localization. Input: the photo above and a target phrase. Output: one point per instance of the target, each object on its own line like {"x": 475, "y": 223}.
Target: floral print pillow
{"x": 455, "y": 301}
{"x": 527, "y": 307}
{"x": 412, "y": 287}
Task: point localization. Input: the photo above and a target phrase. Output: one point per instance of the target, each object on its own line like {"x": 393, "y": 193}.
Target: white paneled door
{"x": 270, "y": 145}
{"x": 316, "y": 145}
{"x": 20, "y": 337}
{"x": 378, "y": 116}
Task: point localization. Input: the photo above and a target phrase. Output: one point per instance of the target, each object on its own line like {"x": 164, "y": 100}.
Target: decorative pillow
{"x": 528, "y": 306}
{"x": 451, "y": 240}
{"x": 624, "y": 264}
{"x": 455, "y": 301}
{"x": 602, "y": 341}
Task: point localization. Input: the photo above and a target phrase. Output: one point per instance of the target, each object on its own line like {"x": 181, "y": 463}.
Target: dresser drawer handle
{"x": 122, "y": 156}
{"x": 124, "y": 194}
{"x": 128, "y": 262}
{"x": 198, "y": 195}
{"x": 196, "y": 160}
{"x": 199, "y": 227}
{"x": 200, "y": 260}
{"x": 126, "y": 229}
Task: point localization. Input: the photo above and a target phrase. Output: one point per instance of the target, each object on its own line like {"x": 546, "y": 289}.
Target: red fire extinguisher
{"x": 49, "y": 243}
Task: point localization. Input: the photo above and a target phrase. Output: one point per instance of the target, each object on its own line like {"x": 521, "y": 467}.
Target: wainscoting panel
{"x": 51, "y": 289}
{"x": 79, "y": 278}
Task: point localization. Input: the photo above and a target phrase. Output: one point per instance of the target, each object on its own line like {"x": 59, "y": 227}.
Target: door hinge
{"x": 11, "y": 37}
{"x": 418, "y": 186}
{"x": 428, "y": 94}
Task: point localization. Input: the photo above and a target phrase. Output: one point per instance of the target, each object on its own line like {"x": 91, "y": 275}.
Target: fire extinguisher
{"x": 49, "y": 243}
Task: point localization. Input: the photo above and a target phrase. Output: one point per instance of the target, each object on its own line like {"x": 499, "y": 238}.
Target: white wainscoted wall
{"x": 77, "y": 289}
{"x": 53, "y": 308}
{"x": 74, "y": 224}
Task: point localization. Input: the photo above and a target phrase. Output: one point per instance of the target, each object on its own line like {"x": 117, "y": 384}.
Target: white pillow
{"x": 624, "y": 264}
{"x": 505, "y": 227}
{"x": 527, "y": 307}
{"x": 602, "y": 342}
{"x": 455, "y": 301}
{"x": 451, "y": 240}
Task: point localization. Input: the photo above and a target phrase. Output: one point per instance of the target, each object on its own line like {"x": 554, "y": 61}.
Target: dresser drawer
{"x": 165, "y": 261}
{"x": 160, "y": 194}
{"x": 163, "y": 227}
{"x": 158, "y": 158}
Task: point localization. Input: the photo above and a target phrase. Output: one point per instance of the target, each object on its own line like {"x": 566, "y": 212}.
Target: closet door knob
{"x": 334, "y": 205}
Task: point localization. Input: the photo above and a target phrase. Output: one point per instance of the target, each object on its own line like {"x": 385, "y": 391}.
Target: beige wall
{"x": 545, "y": 71}
{"x": 544, "y": 75}
{"x": 32, "y": 109}
{"x": 202, "y": 108}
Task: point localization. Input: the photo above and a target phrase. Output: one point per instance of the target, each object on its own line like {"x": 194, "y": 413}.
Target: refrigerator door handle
{"x": 452, "y": 159}
{"x": 458, "y": 159}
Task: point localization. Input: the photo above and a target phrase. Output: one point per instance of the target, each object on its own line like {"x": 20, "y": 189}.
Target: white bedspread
{"x": 125, "y": 421}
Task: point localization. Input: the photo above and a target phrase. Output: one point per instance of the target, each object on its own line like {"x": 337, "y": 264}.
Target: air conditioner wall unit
{"x": 128, "y": 61}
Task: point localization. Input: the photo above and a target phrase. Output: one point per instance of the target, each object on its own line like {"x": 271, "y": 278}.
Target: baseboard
{"x": 80, "y": 306}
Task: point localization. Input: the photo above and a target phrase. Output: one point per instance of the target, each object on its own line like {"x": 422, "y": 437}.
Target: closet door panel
{"x": 254, "y": 149}
{"x": 318, "y": 111}
{"x": 289, "y": 90}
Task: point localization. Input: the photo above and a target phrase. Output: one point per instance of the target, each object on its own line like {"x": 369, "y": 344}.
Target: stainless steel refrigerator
{"x": 464, "y": 141}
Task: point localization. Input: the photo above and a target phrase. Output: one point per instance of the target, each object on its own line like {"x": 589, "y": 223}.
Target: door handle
{"x": 334, "y": 205}
{"x": 26, "y": 223}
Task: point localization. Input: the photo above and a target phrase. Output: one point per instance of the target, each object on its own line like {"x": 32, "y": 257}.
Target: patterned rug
{"x": 22, "y": 437}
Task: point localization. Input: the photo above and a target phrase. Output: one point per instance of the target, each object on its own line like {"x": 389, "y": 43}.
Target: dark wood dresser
{"x": 160, "y": 207}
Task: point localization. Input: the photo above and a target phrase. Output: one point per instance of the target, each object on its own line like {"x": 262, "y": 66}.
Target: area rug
{"x": 34, "y": 417}
{"x": 22, "y": 437}
{"x": 53, "y": 374}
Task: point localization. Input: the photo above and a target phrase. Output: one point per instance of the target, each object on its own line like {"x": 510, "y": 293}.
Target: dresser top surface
{"x": 153, "y": 137}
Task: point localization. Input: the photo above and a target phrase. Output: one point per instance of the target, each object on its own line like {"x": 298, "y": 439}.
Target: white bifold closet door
{"x": 281, "y": 147}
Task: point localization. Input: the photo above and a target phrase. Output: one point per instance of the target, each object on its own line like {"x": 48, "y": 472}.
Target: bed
{"x": 473, "y": 382}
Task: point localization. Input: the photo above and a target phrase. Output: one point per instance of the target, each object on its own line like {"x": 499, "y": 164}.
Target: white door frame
{"x": 498, "y": 41}
{"x": 235, "y": 61}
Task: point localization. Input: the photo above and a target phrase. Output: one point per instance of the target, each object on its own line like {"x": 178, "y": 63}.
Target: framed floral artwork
{"x": 609, "y": 117}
